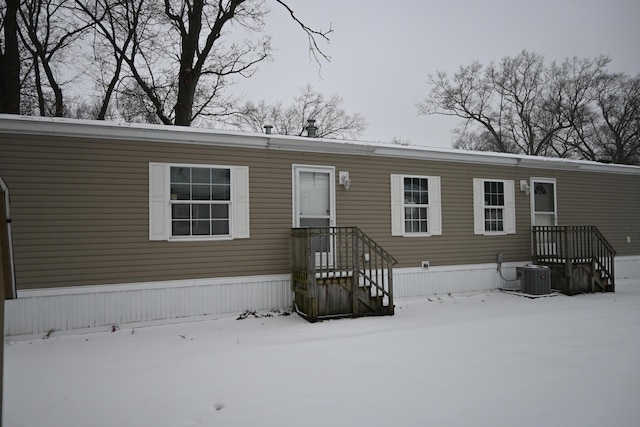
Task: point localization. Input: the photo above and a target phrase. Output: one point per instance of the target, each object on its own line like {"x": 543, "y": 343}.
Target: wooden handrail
{"x": 319, "y": 253}
{"x": 569, "y": 245}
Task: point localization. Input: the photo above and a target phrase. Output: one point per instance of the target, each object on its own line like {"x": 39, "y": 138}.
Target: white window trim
{"x": 434, "y": 214}
{"x": 160, "y": 203}
{"x": 509, "y": 217}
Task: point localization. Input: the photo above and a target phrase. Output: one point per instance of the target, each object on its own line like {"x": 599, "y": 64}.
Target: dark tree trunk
{"x": 186, "y": 90}
{"x": 55, "y": 87}
{"x": 38, "y": 80}
{"x": 10, "y": 62}
{"x": 189, "y": 72}
{"x": 110, "y": 89}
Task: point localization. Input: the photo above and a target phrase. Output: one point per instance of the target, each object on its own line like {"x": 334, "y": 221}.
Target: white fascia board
{"x": 334, "y": 146}
{"x": 104, "y": 130}
{"x": 319, "y": 145}
{"x": 576, "y": 165}
{"x": 458, "y": 156}
{"x": 607, "y": 168}
{"x": 93, "y": 129}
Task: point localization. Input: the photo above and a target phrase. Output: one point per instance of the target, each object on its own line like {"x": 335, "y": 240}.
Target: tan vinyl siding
{"x": 81, "y": 213}
{"x": 80, "y": 210}
{"x": 610, "y": 202}
{"x": 367, "y": 204}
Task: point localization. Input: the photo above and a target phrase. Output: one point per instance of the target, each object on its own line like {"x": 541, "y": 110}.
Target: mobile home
{"x": 125, "y": 224}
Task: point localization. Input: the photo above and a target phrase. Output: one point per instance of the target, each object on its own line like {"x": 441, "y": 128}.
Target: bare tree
{"x": 9, "y": 59}
{"x": 525, "y": 120}
{"x": 480, "y": 140}
{"x": 618, "y": 136}
{"x": 332, "y": 121}
{"x": 48, "y": 29}
{"x": 517, "y": 105}
{"x": 133, "y": 105}
{"x": 400, "y": 141}
{"x": 114, "y": 25}
{"x": 83, "y": 108}
{"x": 183, "y": 54}
{"x": 610, "y": 130}
{"x": 468, "y": 95}
{"x": 573, "y": 87}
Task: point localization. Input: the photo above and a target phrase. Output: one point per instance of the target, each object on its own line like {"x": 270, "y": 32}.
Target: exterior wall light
{"x": 344, "y": 180}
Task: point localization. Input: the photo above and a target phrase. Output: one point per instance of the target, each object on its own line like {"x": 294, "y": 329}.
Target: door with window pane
{"x": 543, "y": 201}
{"x": 314, "y": 205}
{"x": 544, "y": 213}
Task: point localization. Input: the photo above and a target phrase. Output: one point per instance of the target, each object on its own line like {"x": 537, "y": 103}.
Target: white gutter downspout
{"x": 7, "y": 209}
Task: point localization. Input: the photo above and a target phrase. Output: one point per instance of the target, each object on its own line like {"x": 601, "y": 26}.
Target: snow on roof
{"x": 92, "y": 129}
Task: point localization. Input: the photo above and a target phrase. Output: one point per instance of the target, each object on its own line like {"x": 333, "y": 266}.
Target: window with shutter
{"x": 198, "y": 202}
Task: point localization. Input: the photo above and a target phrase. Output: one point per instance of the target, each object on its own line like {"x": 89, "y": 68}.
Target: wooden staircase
{"x": 580, "y": 258}
{"x": 339, "y": 272}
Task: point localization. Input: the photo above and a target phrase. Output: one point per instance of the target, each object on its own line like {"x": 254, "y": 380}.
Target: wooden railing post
{"x": 576, "y": 248}
{"x": 356, "y": 272}
{"x": 390, "y": 278}
{"x": 568, "y": 264}
{"x": 324, "y": 257}
{"x": 312, "y": 288}
{"x": 534, "y": 243}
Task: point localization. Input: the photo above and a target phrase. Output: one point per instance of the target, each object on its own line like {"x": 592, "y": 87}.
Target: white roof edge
{"x": 98, "y": 129}
{"x": 29, "y": 125}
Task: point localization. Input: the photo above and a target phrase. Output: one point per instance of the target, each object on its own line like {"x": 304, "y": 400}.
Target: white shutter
{"x": 158, "y": 202}
{"x": 509, "y": 207}
{"x": 435, "y": 214}
{"x": 478, "y": 206}
{"x": 240, "y": 202}
{"x": 397, "y": 203}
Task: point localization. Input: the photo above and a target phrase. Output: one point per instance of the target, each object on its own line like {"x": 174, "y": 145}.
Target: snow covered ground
{"x": 482, "y": 359}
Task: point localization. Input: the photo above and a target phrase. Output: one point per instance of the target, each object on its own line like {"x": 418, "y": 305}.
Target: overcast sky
{"x": 383, "y": 51}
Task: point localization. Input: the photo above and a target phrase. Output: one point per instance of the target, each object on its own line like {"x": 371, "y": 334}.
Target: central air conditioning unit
{"x": 534, "y": 279}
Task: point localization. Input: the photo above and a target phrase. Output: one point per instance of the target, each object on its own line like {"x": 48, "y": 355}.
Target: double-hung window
{"x": 415, "y": 205}
{"x": 494, "y": 206}
{"x": 198, "y": 202}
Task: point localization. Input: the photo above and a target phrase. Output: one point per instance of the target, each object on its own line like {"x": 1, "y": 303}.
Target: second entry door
{"x": 543, "y": 202}
{"x": 313, "y": 206}
{"x": 313, "y": 197}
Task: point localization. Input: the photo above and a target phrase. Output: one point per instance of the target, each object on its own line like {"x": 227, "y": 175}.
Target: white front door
{"x": 313, "y": 196}
{"x": 314, "y": 206}
{"x": 544, "y": 212}
{"x": 543, "y": 202}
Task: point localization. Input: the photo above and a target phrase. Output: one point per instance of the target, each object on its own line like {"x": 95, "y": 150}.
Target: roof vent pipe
{"x": 267, "y": 129}
{"x": 311, "y": 128}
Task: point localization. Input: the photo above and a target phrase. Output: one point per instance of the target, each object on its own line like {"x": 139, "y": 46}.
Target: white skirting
{"x": 97, "y": 308}
{"x": 627, "y": 267}
{"x": 94, "y": 308}
{"x": 414, "y": 282}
